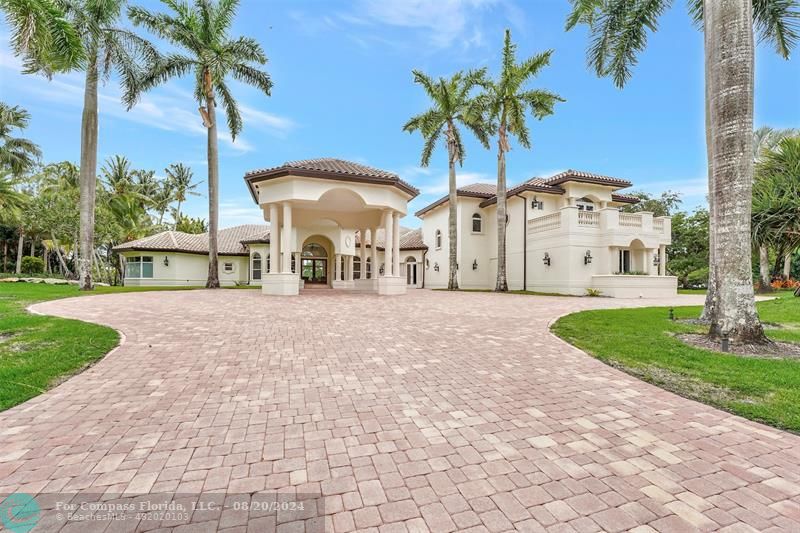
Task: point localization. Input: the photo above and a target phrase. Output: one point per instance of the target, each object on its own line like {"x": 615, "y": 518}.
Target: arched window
{"x": 477, "y": 223}
{"x": 585, "y": 204}
{"x": 256, "y": 266}
{"x": 438, "y": 239}
{"x": 356, "y": 267}
{"x": 313, "y": 249}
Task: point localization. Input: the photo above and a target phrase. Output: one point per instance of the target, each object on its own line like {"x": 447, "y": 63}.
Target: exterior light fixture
{"x": 671, "y": 313}
{"x": 436, "y": 267}
{"x": 381, "y": 270}
{"x": 656, "y": 260}
{"x": 726, "y": 343}
{"x": 587, "y": 257}
{"x": 546, "y": 259}
{"x": 427, "y": 263}
{"x": 475, "y": 265}
{"x": 166, "y": 261}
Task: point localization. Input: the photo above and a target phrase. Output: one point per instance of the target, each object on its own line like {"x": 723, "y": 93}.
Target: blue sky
{"x": 343, "y": 88}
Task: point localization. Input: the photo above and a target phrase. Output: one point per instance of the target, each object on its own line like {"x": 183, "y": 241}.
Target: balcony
{"x": 609, "y": 225}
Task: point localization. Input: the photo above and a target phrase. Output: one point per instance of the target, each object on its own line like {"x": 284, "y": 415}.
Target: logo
{"x": 19, "y": 513}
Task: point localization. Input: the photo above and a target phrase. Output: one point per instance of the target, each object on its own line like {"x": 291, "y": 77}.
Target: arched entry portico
{"x": 315, "y": 258}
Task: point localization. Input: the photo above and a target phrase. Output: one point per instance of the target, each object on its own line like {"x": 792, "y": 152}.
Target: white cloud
{"x": 239, "y": 211}
{"x": 440, "y": 185}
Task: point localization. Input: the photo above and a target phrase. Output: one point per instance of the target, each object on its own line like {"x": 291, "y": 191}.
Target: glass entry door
{"x": 314, "y": 270}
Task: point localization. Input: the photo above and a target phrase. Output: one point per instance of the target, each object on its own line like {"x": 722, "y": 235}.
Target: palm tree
{"x": 507, "y": 102}
{"x": 766, "y": 139}
{"x": 210, "y": 55}
{"x": 105, "y": 46}
{"x": 179, "y": 179}
{"x": 42, "y": 35}
{"x": 118, "y": 175}
{"x": 618, "y": 32}
{"x": 452, "y": 106}
{"x": 17, "y": 154}
{"x": 11, "y": 200}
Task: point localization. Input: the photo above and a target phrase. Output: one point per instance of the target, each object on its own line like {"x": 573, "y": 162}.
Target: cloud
{"x": 440, "y": 185}
{"x": 239, "y": 211}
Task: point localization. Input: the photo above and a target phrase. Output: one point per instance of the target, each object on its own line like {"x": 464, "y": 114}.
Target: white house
{"x": 565, "y": 234}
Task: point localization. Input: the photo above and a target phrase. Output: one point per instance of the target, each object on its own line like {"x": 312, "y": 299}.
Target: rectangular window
{"x": 624, "y": 261}
{"x": 228, "y": 268}
{"x": 139, "y": 267}
{"x": 357, "y": 268}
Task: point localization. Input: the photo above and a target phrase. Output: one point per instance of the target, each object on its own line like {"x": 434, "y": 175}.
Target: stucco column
{"x": 613, "y": 260}
{"x": 287, "y": 238}
{"x": 274, "y": 240}
{"x": 388, "y": 240}
{"x": 363, "y": 237}
{"x": 396, "y": 244}
{"x": 337, "y": 267}
{"x": 662, "y": 260}
{"x": 350, "y": 261}
{"x": 373, "y": 236}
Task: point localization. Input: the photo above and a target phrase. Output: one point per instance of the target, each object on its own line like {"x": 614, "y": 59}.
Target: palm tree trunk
{"x": 452, "y": 220}
{"x": 5, "y": 255}
{"x": 213, "y": 194}
{"x": 502, "y": 143}
{"x": 709, "y": 309}
{"x": 787, "y": 266}
{"x": 765, "y": 279}
{"x": 178, "y": 213}
{"x": 88, "y": 173}
{"x": 64, "y": 268}
{"x": 20, "y": 251}
{"x": 729, "y": 56}
{"x": 33, "y": 247}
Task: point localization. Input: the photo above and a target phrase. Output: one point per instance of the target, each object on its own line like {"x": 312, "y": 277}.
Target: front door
{"x": 411, "y": 273}
{"x": 314, "y": 270}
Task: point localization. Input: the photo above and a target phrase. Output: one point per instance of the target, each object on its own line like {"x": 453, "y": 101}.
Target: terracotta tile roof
{"x": 586, "y": 177}
{"x": 230, "y": 241}
{"x": 410, "y": 239}
{"x": 332, "y": 168}
{"x": 625, "y": 198}
{"x": 473, "y": 190}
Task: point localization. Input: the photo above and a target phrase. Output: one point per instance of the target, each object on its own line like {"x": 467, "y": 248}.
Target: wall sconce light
{"x": 546, "y": 259}
{"x": 475, "y": 265}
{"x": 427, "y": 263}
{"x": 381, "y": 270}
{"x": 656, "y": 260}
{"x": 587, "y": 258}
{"x": 166, "y": 261}
{"x": 436, "y": 267}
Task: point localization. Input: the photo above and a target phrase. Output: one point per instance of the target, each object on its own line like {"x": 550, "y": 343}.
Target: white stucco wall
{"x": 188, "y": 269}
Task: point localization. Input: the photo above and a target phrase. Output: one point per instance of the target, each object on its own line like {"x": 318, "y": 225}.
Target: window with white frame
{"x": 438, "y": 239}
{"x": 477, "y": 223}
{"x": 369, "y": 268}
{"x": 256, "y": 266}
{"x": 356, "y": 267}
{"x": 139, "y": 267}
{"x": 585, "y": 204}
{"x": 228, "y": 267}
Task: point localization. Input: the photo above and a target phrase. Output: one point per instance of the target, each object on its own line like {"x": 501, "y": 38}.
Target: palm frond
{"x": 252, "y": 76}
{"x": 231, "y": 109}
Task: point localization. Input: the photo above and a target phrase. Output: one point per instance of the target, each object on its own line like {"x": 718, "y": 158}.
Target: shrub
{"x": 593, "y": 292}
{"x": 32, "y": 265}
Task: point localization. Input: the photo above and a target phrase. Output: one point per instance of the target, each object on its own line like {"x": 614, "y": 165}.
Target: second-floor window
{"x": 585, "y": 204}
{"x": 438, "y": 239}
{"x": 477, "y": 223}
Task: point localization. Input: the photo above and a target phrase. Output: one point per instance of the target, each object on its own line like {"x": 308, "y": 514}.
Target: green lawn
{"x": 38, "y": 352}
{"x": 640, "y": 342}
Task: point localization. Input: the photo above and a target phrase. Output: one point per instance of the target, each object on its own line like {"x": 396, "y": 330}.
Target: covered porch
{"x": 325, "y": 218}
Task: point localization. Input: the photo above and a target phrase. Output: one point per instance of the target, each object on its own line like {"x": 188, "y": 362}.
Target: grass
{"x": 38, "y": 352}
{"x": 641, "y": 342}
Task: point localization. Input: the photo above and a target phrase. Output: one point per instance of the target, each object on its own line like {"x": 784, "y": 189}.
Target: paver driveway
{"x": 430, "y": 411}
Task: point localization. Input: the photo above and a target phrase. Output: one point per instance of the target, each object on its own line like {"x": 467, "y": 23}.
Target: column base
{"x": 282, "y": 284}
{"x": 391, "y": 285}
{"x": 366, "y": 285}
{"x": 341, "y": 284}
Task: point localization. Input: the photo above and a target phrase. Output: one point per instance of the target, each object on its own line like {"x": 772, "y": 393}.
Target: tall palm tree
{"x": 118, "y": 175}
{"x": 508, "y": 102}
{"x": 453, "y": 106}
{"x": 179, "y": 179}
{"x": 618, "y": 32}
{"x": 42, "y": 35}
{"x": 106, "y": 46}
{"x": 210, "y": 55}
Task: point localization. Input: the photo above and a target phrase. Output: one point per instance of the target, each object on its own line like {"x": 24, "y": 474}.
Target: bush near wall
{"x": 785, "y": 284}
{"x": 32, "y": 265}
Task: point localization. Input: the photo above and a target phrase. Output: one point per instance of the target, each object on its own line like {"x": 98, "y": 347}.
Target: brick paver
{"x": 434, "y": 410}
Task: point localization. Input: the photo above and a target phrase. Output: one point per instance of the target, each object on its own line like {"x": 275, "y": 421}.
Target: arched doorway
{"x": 314, "y": 263}
{"x": 411, "y": 271}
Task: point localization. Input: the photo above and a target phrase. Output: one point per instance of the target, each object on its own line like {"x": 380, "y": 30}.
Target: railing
{"x": 629, "y": 220}
{"x": 544, "y": 223}
{"x": 658, "y": 225}
{"x": 588, "y": 218}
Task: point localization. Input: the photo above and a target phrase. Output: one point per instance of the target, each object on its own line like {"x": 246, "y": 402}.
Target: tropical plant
{"x": 688, "y": 253}
{"x": 453, "y": 106}
{"x": 42, "y": 35}
{"x": 179, "y": 179}
{"x": 190, "y": 225}
{"x": 32, "y": 265}
{"x": 17, "y": 154}
{"x": 12, "y": 200}
{"x": 507, "y": 102}
{"x": 776, "y": 204}
{"x": 766, "y": 138}
{"x": 661, "y": 206}
{"x": 210, "y": 55}
{"x": 618, "y": 32}
{"x": 118, "y": 175}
